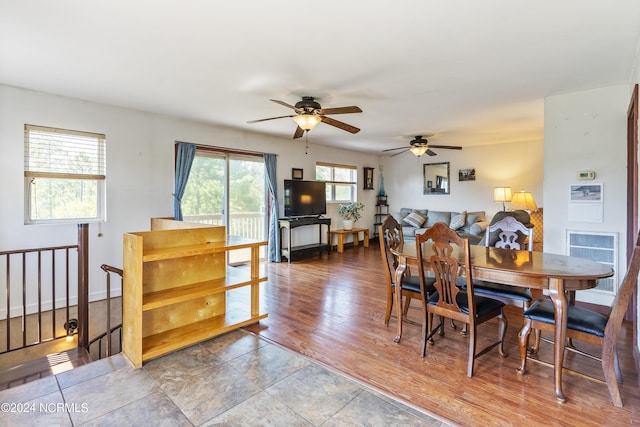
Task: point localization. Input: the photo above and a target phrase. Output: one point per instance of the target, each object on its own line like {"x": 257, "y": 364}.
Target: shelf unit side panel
{"x": 132, "y": 299}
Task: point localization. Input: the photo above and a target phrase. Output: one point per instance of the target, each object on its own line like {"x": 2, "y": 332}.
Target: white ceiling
{"x": 470, "y": 72}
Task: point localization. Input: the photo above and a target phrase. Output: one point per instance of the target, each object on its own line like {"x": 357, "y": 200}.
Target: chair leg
{"x": 536, "y": 342}
{"x": 608, "y": 361}
{"x": 426, "y": 327}
{"x": 502, "y": 332}
{"x": 390, "y": 297}
{"x": 407, "y": 303}
{"x": 427, "y": 332}
{"x": 617, "y": 366}
{"x": 472, "y": 350}
{"x": 523, "y": 342}
{"x": 536, "y": 332}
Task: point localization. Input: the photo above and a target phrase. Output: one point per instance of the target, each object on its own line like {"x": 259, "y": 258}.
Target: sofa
{"x": 470, "y": 225}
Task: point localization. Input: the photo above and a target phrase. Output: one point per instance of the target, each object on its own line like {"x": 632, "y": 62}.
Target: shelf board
{"x": 192, "y": 291}
{"x": 232, "y": 243}
{"x": 159, "y": 344}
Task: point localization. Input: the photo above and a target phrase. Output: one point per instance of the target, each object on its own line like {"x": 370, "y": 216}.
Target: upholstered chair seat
{"x": 578, "y": 319}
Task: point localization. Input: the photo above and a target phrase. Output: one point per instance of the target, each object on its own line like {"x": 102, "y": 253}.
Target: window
{"x": 228, "y": 188}
{"x": 64, "y": 172}
{"x": 341, "y": 181}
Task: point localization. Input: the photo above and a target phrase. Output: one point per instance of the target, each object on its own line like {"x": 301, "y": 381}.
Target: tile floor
{"x": 235, "y": 379}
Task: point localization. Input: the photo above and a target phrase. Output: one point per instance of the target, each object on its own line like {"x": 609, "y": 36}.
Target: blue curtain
{"x": 270, "y": 161}
{"x": 184, "y": 159}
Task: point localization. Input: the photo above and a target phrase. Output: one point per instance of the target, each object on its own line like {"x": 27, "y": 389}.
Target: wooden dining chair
{"x": 588, "y": 326}
{"x": 390, "y": 236}
{"x": 450, "y": 300}
{"x": 508, "y": 237}
{"x": 509, "y": 233}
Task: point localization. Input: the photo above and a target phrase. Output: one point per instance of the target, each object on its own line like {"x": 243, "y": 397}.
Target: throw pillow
{"x": 458, "y": 221}
{"x": 414, "y": 219}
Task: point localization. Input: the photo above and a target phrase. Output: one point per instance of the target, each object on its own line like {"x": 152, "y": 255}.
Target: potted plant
{"x": 350, "y": 213}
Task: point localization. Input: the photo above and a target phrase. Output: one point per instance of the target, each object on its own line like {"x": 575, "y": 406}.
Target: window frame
{"x": 90, "y": 143}
{"x": 333, "y": 182}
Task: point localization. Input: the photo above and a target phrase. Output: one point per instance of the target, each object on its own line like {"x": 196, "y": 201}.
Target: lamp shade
{"x": 418, "y": 150}
{"x": 502, "y": 194}
{"x": 523, "y": 200}
{"x": 307, "y": 121}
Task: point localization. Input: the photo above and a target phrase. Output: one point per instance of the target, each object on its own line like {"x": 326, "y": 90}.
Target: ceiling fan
{"x": 420, "y": 145}
{"x": 309, "y": 113}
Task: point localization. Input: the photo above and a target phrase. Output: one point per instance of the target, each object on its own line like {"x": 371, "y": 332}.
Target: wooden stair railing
{"x": 109, "y": 329}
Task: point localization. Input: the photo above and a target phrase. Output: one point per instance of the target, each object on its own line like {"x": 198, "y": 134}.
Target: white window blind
{"x": 60, "y": 153}
{"x": 64, "y": 174}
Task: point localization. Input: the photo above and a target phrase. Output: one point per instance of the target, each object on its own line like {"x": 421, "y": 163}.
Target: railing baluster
{"x": 67, "y": 290}
{"x": 8, "y": 261}
{"x": 24, "y": 300}
{"x": 53, "y": 295}
{"x": 108, "y": 314}
{"x": 39, "y": 296}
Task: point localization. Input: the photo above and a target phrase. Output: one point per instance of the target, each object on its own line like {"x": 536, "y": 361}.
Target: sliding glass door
{"x": 228, "y": 189}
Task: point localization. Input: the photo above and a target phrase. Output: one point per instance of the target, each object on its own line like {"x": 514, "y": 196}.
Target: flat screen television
{"x": 304, "y": 198}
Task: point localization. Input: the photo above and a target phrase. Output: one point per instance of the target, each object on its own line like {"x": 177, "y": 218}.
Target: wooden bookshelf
{"x": 175, "y": 287}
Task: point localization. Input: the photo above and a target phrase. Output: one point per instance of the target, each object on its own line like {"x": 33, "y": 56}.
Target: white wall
{"x": 140, "y": 168}
{"x": 586, "y": 131}
{"x": 518, "y": 165}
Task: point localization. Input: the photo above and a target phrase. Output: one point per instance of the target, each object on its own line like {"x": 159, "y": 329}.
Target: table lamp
{"x": 523, "y": 200}
{"x": 502, "y": 194}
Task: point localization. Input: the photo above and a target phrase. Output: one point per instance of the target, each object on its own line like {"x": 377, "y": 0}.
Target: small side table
{"x": 354, "y": 232}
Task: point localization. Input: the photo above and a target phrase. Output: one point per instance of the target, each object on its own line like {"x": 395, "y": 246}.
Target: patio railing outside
{"x": 250, "y": 224}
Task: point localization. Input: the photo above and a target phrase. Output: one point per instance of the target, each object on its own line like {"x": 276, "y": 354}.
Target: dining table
{"x": 557, "y": 274}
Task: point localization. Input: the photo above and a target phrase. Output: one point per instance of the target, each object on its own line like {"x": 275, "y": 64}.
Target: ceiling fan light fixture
{"x": 418, "y": 150}
{"x": 307, "y": 121}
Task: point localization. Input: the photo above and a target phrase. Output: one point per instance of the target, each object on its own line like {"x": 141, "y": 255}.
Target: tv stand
{"x": 299, "y": 251}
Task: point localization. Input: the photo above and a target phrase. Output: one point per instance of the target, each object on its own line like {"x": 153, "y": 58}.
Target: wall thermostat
{"x": 586, "y": 175}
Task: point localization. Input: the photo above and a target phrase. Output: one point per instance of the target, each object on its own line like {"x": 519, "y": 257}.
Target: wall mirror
{"x": 436, "y": 178}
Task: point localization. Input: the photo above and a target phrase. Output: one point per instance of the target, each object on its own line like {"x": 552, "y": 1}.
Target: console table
{"x": 289, "y": 224}
{"x": 356, "y": 240}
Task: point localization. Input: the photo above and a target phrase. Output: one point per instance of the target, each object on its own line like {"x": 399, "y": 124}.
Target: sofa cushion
{"x": 399, "y": 216}
{"x": 479, "y": 217}
{"x": 471, "y": 219}
{"x": 414, "y": 219}
{"x": 438, "y": 216}
{"x": 458, "y": 221}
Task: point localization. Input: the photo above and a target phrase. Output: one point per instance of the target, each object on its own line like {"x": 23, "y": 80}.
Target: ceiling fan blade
{"x": 270, "y": 118}
{"x": 393, "y": 149}
{"x": 340, "y": 125}
{"x": 340, "y": 110}
{"x": 284, "y": 104}
{"x": 448, "y": 147}
{"x": 397, "y": 154}
{"x": 431, "y": 153}
{"x": 298, "y": 133}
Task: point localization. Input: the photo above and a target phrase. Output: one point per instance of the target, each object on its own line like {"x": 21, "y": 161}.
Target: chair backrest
{"x": 445, "y": 266}
{"x": 390, "y": 236}
{"x": 508, "y": 237}
{"x": 621, "y": 301}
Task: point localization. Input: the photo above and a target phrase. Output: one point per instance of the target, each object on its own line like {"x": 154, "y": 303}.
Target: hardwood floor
{"x": 332, "y": 309}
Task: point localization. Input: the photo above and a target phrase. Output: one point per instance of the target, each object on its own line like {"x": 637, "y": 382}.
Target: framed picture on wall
{"x": 296, "y": 173}
{"x": 368, "y": 178}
